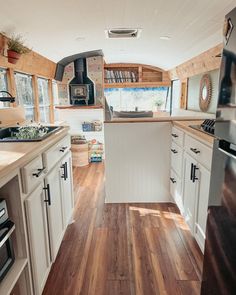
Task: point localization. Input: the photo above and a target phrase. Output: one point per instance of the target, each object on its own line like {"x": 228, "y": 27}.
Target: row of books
{"x": 115, "y": 76}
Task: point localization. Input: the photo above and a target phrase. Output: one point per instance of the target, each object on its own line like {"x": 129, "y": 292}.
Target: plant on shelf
{"x": 16, "y": 47}
{"x": 158, "y": 103}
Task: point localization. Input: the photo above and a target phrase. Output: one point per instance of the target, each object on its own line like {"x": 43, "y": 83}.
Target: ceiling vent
{"x": 123, "y": 33}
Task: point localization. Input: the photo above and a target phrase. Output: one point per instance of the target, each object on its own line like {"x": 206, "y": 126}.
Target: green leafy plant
{"x": 158, "y": 102}
{"x": 16, "y": 43}
{"x": 30, "y": 132}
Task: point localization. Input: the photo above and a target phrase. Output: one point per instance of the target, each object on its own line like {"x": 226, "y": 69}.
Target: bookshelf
{"x": 122, "y": 75}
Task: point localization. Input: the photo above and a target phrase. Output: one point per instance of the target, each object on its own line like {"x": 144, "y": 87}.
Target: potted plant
{"x": 158, "y": 103}
{"x": 16, "y": 47}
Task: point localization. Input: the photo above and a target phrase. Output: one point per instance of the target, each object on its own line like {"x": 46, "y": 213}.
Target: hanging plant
{"x": 16, "y": 48}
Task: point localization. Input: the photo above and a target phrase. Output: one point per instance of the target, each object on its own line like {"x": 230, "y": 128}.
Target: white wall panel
{"x": 137, "y": 165}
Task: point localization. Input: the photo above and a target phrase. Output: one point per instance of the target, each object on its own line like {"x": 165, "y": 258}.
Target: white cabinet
{"x": 176, "y": 158}
{"x": 67, "y": 189}
{"x": 196, "y": 193}
{"x": 190, "y": 180}
{"x": 54, "y": 210}
{"x": 38, "y": 237}
{"x": 204, "y": 176}
{"x": 190, "y": 189}
{"x": 177, "y": 167}
{"x": 176, "y": 190}
{"x": 49, "y": 207}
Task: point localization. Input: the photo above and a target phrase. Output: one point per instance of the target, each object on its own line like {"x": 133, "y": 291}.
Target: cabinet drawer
{"x": 176, "y": 158}
{"x": 32, "y": 174}
{"x": 177, "y": 136}
{"x": 199, "y": 151}
{"x": 176, "y": 190}
{"x": 56, "y": 152}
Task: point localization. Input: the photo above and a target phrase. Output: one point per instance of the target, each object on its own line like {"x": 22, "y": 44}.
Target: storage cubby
{"x": 134, "y": 75}
{"x": 18, "y": 274}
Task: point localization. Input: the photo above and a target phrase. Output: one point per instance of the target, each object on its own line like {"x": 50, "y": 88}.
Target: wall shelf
{"x": 121, "y": 75}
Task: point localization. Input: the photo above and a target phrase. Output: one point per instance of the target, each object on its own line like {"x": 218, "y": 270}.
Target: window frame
{"x": 19, "y": 100}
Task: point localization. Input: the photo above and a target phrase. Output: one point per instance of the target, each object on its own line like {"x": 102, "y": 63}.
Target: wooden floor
{"x": 123, "y": 248}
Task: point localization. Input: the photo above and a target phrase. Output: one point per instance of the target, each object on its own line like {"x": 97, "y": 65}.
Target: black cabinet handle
{"x": 196, "y": 151}
{"x": 191, "y": 173}
{"x": 66, "y": 170}
{"x": 194, "y": 173}
{"x": 47, "y": 188}
{"x": 174, "y": 135}
{"x": 63, "y": 166}
{"x": 40, "y": 171}
{"x": 174, "y": 151}
{"x": 63, "y": 148}
{"x": 172, "y": 180}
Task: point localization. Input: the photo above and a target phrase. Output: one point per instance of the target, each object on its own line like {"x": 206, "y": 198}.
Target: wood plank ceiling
{"x": 58, "y": 29}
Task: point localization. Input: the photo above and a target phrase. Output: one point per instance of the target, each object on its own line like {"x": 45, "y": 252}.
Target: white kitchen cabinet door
{"x": 38, "y": 237}
{"x": 67, "y": 189}
{"x": 190, "y": 190}
{"x": 176, "y": 190}
{"x": 202, "y": 205}
{"x": 54, "y": 210}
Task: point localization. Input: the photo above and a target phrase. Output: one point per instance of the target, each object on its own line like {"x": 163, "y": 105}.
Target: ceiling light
{"x": 80, "y": 39}
{"x": 166, "y": 38}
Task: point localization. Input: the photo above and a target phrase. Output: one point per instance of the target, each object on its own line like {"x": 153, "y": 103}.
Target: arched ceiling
{"x": 57, "y": 29}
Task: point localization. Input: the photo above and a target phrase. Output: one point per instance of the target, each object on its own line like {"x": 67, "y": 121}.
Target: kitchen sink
{"x": 11, "y": 134}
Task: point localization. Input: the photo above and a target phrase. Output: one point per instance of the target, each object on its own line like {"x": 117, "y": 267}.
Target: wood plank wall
{"x": 202, "y": 63}
{"x": 32, "y": 64}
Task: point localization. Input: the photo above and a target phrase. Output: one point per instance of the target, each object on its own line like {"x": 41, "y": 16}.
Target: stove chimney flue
{"x": 79, "y": 70}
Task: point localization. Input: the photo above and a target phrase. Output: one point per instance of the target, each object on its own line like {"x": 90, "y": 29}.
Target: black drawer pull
{"x": 63, "y": 148}
{"x": 174, "y": 151}
{"x": 172, "y": 180}
{"x": 47, "y": 188}
{"x": 174, "y": 135}
{"x": 196, "y": 151}
{"x": 40, "y": 171}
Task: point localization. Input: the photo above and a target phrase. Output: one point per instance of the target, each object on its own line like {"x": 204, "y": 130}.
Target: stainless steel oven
{"x": 7, "y": 227}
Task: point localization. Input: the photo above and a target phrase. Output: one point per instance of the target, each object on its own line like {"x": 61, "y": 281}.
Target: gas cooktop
{"x": 208, "y": 127}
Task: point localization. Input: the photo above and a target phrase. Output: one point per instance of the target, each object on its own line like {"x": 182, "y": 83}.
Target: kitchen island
{"x": 138, "y": 155}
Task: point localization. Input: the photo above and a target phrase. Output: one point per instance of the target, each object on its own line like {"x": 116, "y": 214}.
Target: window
{"x": 3, "y": 86}
{"x": 55, "y": 99}
{"x": 145, "y": 99}
{"x": 176, "y": 88}
{"x": 24, "y": 93}
{"x": 44, "y": 103}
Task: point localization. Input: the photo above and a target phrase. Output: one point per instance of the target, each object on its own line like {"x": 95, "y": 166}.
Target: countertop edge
{"x": 151, "y": 120}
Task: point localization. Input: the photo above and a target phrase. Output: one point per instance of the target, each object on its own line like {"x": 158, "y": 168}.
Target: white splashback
{"x": 137, "y": 164}
{"x": 192, "y": 114}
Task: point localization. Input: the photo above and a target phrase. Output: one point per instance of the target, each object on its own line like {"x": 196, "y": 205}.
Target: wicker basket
{"x": 79, "y": 155}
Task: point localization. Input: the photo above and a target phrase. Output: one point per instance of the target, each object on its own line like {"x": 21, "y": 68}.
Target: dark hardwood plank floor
{"x": 129, "y": 249}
